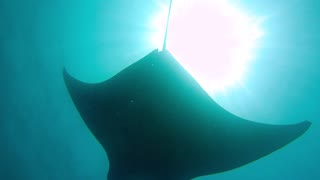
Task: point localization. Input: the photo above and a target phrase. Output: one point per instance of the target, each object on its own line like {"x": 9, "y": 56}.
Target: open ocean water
{"x": 42, "y": 136}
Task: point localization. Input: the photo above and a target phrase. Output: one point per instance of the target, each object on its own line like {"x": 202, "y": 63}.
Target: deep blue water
{"x": 42, "y": 135}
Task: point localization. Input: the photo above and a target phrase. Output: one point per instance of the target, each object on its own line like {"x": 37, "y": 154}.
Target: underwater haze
{"x": 42, "y": 135}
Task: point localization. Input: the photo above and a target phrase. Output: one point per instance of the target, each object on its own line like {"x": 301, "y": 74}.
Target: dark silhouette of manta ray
{"x": 156, "y": 123}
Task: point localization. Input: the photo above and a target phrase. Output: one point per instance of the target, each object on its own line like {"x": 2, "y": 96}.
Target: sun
{"x": 213, "y": 39}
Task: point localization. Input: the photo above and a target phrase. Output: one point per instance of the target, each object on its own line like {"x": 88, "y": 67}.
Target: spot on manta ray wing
{"x": 156, "y": 122}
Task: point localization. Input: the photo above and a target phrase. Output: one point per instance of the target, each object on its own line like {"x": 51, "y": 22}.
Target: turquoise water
{"x": 42, "y": 135}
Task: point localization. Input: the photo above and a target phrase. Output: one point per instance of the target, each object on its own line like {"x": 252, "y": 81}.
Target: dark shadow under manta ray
{"x": 156, "y": 123}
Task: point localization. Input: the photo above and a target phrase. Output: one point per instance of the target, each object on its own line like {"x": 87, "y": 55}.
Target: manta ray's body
{"x": 156, "y": 123}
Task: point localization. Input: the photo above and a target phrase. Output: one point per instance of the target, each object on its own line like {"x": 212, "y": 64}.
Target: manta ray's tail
{"x": 164, "y": 48}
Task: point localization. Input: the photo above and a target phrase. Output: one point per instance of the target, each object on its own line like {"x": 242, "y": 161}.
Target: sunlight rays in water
{"x": 213, "y": 39}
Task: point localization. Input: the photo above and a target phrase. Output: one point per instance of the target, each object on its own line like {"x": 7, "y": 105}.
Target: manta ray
{"x": 156, "y": 122}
